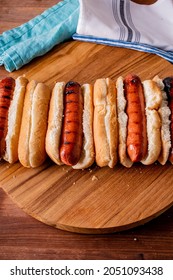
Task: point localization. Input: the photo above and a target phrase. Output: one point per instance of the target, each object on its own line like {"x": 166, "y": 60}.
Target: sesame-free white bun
{"x": 164, "y": 112}
{"x": 105, "y": 123}
{"x": 153, "y": 100}
{"x": 31, "y": 148}
{"x": 53, "y": 134}
{"x": 14, "y": 120}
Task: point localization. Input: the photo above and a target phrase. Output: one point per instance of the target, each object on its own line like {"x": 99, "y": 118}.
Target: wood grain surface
{"x": 153, "y": 240}
{"x": 96, "y": 200}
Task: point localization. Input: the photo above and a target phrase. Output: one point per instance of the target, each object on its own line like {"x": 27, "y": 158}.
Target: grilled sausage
{"x": 72, "y": 128}
{"x": 6, "y": 93}
{"x": 136, "y": 127}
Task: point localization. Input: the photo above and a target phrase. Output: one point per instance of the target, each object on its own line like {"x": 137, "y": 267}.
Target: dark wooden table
{"x": 22, "y": 237}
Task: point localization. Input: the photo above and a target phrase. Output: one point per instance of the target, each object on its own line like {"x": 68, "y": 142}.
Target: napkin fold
{"x": 36, "y": 37}
{"x": 123, "y": 23}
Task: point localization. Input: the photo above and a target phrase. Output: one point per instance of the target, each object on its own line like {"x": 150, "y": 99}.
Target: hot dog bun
{"x": 164, "y": 112}
{"x": 105, "y": 123}
{"x": 87, "y": 155}
{"x": 31, "y": 148}
{"x": 53, "y": 134}
{"x": 14, "y": 120}
{"x": 153, "y": 99}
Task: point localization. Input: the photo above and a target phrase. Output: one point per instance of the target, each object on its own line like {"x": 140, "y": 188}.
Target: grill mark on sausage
{"x": 71, "y": 112}
{"x": 69, "y": 92}
{"x": 68, "y": 121}
{"x": 68, "y": 143}
{"x": 69, "y": 131}
{"x": 72, "y": 83}
{"x": 5, "y": 96}
{"x": 4, "y": 107}
{"x": 71, "y": 101}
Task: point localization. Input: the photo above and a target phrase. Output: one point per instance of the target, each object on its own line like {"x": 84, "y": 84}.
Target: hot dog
{"x": 139, "y": 121}
{"x": 31, "y": 148}
{"x": 69, "y": 137}
{"x": 12, "y": 94}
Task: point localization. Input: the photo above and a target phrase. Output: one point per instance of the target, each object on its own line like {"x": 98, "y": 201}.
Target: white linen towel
{"x": 123, "y": 23}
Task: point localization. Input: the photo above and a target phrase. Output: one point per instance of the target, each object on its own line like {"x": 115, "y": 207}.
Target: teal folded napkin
{"x": 36, "y": 37}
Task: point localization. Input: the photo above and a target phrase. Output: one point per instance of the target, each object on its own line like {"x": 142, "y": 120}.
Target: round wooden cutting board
{"x": 95, "y": 200}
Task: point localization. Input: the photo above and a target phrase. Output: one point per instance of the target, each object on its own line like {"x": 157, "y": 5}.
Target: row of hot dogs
{"x": 125, "y": 121}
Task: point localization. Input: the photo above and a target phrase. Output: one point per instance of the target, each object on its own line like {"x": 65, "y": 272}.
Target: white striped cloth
{"x": 123, "y": 23}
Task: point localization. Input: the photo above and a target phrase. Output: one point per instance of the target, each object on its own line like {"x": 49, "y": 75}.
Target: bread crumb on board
{"x": 94, "y": 178}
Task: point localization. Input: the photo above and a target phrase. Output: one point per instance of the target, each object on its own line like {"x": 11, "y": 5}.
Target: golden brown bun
{"x": 164, "y": 113}
{"x": 87, "y": 155}
{"x": 105, "y": 123}
{"x": 31, "y": 148}
{"x": 14, "y": 120}
{"x": 53, "y": 134}
{"x": 122, "y": 124}
{"x": 153, "y": 99}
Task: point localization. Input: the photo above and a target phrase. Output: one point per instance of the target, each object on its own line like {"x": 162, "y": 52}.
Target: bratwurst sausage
{"x": 72, "y": 127}
{"x": 135, "y": 109}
